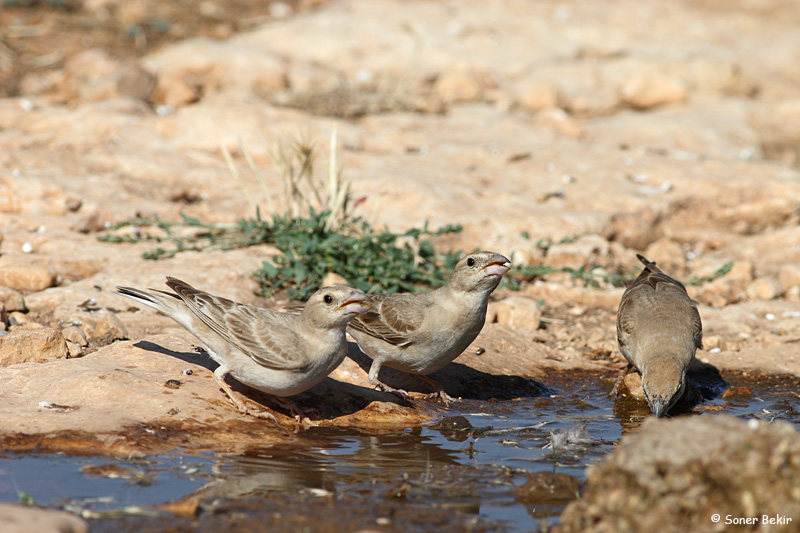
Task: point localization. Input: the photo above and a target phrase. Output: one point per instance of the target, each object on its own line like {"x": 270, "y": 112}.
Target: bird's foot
{"x": 246, "y": 411}
{"x": 442, "y": 395}
{"x": 400, "y": 393}
{"x": 303, "y": 421}
{"x": 258, "y": 413}
{"x": 438, "y": 391}
{"x": 243, "y": 409}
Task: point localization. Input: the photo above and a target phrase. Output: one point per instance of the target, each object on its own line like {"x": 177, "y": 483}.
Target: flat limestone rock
{"x": 159, "y": 393}
{"x": 138, "y": 395}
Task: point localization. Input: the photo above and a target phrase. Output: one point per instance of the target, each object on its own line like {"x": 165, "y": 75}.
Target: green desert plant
{"x": 316, "y": 235}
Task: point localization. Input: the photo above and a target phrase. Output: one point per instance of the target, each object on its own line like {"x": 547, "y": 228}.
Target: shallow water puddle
{"x": 487, "y": 466}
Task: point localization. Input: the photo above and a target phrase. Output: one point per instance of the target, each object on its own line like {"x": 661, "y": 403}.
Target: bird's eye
{"x": 470, "y": 262}
{"x": 328, "y": 299}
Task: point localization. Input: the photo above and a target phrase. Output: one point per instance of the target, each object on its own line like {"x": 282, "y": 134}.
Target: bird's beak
{"x": 355, "y": 305}
{"x": 658, "y": 407}
{"x": 498, "y": 268}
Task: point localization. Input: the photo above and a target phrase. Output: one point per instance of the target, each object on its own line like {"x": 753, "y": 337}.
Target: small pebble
{"x": 188, "y": 372}
{"x": 27, "y": 247}
{"x": 172, "y": 384}
{"x": 480, "y": 351}
{"x": 769, "y": 316}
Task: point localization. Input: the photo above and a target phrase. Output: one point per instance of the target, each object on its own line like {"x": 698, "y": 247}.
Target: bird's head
{"x": 334, "y": 307}
{"x": 479, "y": 272}
{"x": 663, "y": 382}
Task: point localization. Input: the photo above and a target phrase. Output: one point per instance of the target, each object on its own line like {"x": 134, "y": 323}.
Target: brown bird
{"x": 421, "y": 333}
{"x": 281, "y": 354}
{"x": 658, "y": 330}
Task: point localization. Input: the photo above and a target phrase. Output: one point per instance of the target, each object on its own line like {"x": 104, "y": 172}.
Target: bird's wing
{"x": 652, "y": 288}
{"x": 393, "y": 318}
{"x": 625, "y": 325}
{"x": 267, "y": 337}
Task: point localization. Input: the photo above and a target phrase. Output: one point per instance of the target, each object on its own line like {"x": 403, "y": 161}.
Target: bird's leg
{"x": 438, "y": 391}
{"x": 219, "y": 376}
{"x": 615, "y": 390}
{"x": 374, "y": 370}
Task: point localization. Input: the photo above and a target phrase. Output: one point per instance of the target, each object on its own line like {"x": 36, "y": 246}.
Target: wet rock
{"x": 16, "y": 518}
{"x": 455, "y": 428}
{"x": 723, "y": 466}
{"x": 543, "y": 488}
{"x": 28, "y": 345}
{"x": 766, "y": 288}
{"x": 26, "y": 277}
{"x": 742, "y": 392}
{"x": 647, "y": 91}
{"x": 518, "y": 312}
{"x": 632, "y": 386}
{"x": 12, "y": 300}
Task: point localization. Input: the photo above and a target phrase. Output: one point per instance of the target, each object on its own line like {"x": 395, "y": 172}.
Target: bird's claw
{"x": 400, "y": 393}
{"x": 442, "y": 395}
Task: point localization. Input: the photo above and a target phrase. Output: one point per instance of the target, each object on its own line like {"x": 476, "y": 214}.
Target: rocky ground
{"x": 571, "y": 134}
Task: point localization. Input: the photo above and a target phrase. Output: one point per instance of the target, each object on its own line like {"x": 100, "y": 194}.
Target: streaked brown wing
{"x": 392, "y": 318}
{"x": 626, "y": 322}
{"x": 268, "y": 337}
{"x": 265, "y": 336}
{"x": 697, "y": 327}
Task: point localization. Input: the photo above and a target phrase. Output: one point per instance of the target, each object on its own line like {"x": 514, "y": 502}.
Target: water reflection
{"x": 510, "y": 464}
